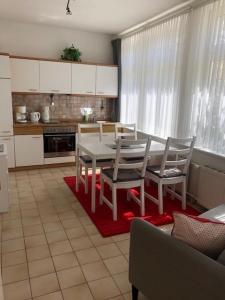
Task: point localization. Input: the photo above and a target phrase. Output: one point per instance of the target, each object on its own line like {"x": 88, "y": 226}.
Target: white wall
{"x": 46, "y": 41}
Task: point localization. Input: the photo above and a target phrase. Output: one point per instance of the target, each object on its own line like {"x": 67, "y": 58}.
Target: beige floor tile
{"x": 81, "y": 243}
{"x": 17, "y": 291}
{"x": 98, "y": 240}
{"x": 94, "y": 271}
{"x": 11, "y": 224}
{"x": 13, "y": 245}
{"x": 60, "y": 248}
{"x": 14, "y": 273}
{"x": 45, "y": 284}
{"x": 91, "y": 229}
{"x": 104, "y": 288}
{"x": 53, "y": 226}
{"x": 65, "y": 261}
{"x": 116, "y": 264}
{"x": 14, "y": 258}
{"x": 128, "y": 296}
{"x": 124, "y": 246}
{"x": 76, "y": 232}
{"x": 87, "y": 256}
{"x": 41, "y": 267}
{"x": 56, "y": 236}
{"x": 109, "y": 250}
{"x": 35, "y": 241}
{"x": 122, "y": 282}
{"x": 82, "y": 292}
{"x": 12, "y": 233}
{"x": 52, "y": 296}
{"x": 121, "y": 237}
{"x": 71, "y": 223}
{"x": 39, "y": 252}
{"x": 30, "y": 221}
{"x": 33, "y": 230}
{"x": 70, "y": 277}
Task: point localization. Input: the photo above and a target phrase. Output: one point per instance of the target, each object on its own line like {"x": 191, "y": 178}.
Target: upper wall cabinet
{"x": 107, "y": 81}
{"x": 4, "y": 67}
{"x": 55, "y": 77}
{"x": 25, "y": 75}
{"x": 83, "y": 79}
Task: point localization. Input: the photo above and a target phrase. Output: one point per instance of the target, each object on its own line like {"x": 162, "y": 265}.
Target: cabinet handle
{"x": 6, "y": 131}
{"x": 56, "y": 91}
{"x": 89, "y": 92}
{"x": 102, "y": 93}
{"x": 36, "y": 137}
{"x": 5, "y": 139}
{"x": 32, "y": 90}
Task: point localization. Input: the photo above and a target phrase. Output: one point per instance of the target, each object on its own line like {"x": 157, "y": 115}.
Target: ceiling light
{"x": 68, "y": 11}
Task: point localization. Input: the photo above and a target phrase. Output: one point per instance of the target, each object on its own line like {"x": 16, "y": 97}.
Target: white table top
{"x": 104, "y": 151}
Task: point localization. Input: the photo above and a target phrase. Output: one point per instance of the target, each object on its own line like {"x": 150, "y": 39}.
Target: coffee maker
{"x": 21, "y": 114}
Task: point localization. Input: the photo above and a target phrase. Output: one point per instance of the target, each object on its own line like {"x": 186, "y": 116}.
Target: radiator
{"x": 206, "y": 185}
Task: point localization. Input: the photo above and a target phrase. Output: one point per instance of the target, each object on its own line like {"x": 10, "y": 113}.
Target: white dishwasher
{"x": 4, "y": 179}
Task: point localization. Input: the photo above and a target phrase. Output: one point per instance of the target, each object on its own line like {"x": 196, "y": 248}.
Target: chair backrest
{"x": 181, "y": 152}
{"x": 121, "y": 153}
{"x": 108, "y": 132}
{"x": 89, "y": 132}
{"x": 127, "y": 131}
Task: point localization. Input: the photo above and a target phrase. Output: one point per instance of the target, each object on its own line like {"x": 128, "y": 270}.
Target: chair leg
{"x": 173, "y": 188}
{"x": 101, "y": 189}
{"x": 134, "y": 293}
{"x": 86, "y": 180}
{"x": 142, "y": 197}
{"x": 184, "y": 194}
{"x": 114, "y": 202}
{"x": 128, "y": 195}
{"x": 160, "y": 197}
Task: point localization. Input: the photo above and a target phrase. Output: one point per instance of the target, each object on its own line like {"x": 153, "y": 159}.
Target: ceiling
{"x": 108, "y": 16}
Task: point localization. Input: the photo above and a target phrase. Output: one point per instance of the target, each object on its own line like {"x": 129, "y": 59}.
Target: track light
{"x": 68, "y": 11}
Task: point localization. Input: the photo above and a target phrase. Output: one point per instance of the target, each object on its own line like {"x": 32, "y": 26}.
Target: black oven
{"x": 59, "y": 141}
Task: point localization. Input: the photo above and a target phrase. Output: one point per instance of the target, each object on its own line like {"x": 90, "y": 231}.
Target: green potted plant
{"x": 71, "y": 53}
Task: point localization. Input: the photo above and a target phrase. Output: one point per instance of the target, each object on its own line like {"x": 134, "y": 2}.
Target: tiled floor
{"x": 50, "y": 250}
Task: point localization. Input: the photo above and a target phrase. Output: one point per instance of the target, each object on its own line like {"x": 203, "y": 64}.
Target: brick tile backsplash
{"x": 67, "y": 106}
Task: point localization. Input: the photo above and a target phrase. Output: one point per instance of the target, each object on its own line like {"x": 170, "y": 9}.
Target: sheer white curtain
{"x": 203, "y": 107}
{"x": 151, "y": 77}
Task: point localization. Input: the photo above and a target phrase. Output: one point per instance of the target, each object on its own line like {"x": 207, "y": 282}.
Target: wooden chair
{"x": 173, "y": 170}
{"x": 126, "y": 131}
{"x": 126, "y": 175}
{"x": 90, "y": 133}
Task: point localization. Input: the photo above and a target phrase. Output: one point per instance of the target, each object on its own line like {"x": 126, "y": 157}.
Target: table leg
{"x": 77, "y": 170}
{"x": 93, "y": 187}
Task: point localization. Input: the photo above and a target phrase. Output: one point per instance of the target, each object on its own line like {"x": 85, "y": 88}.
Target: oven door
{"x": 59, "y": 144}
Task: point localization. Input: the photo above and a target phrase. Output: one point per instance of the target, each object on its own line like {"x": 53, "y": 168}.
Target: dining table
{"x": 101, "y": 150}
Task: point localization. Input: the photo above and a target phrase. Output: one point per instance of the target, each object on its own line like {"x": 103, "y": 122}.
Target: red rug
{"x": 102, "y": 218}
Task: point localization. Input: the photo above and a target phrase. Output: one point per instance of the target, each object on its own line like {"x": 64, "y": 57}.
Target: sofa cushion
{"x": 202, "y": 234}
{"x": 221, "y": 258}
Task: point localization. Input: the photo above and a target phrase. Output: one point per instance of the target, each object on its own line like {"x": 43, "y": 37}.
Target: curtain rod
{"x": 168, "y": 14}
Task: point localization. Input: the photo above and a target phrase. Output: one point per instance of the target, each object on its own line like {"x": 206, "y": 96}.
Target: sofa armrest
{"x": 164, "y": 268}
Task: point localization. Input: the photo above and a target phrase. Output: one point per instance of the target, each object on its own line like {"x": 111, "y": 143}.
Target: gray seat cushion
{"x": 87, "y": 159}
{"x": 123, "y": 175}
{"x": 168, "y": 172}
{"x": 133, "y": 159}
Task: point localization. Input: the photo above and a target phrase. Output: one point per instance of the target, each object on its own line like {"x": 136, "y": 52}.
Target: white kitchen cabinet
{"x": 83, "y": 79}
{"x": 6, "y": 116}
{"x": 9, "y": 142}
{"x": 55, "y": 77}
{"x": 4, "y": 181}
{"x": 29, "y": 150}
{"x": 107, "y": 81}
{"x": 4, "y": 67}
{"x": 25, "y": 75}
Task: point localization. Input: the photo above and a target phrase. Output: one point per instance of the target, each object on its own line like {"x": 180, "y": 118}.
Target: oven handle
{"x": 55, "y": 135}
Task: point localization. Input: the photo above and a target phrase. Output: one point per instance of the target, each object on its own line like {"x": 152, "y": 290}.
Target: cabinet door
{"x": 25, "y": 75}
{"x": 83, "y": 79}
{"x": 55, "y": 77}
{"x": 6, "y": 117}
{"x": 29, "y": 150}
{"x": 9, "y": 141}
{"x": 4, "y": 67}
{"x": 4, "y": 184}
{"x": 107, "y": 81}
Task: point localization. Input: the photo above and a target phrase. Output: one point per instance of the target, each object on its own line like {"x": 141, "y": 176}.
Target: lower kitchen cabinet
{"x": 29, "y": 150}
{"x": 9, "y": 142}
{"x": 4, "y": 183}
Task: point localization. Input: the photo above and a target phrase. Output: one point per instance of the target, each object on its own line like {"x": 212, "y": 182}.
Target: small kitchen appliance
{"x": 35, "y": 116}
{"x": 21, "y": 114}
{"x": 45, "y": 115}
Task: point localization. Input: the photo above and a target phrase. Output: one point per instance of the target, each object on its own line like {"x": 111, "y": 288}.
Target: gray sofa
{"x": 164, "y": 268}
